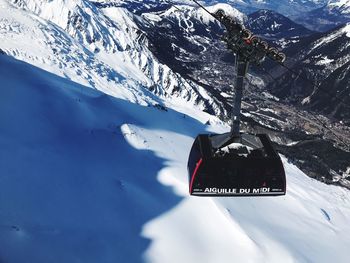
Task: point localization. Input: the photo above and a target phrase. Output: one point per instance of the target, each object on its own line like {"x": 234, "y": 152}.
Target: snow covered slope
{"x": 86, "y": 177}
{"x": 100, "y": 48}
{"x": 274, "y": 26}
{"x": 187, "y": 39}
{"x": 340, "y": 6}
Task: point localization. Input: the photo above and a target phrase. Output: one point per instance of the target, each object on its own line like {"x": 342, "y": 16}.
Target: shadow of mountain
{"x": 72, "y": 189}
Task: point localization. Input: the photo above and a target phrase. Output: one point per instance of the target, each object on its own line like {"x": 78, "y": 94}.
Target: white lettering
{"x": 244, "y": 191}
{"x": 221, "y": 190}
{"x": 265, "y": 190}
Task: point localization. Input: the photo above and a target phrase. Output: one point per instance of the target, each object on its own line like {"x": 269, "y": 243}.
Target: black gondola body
{"x": 214, "y": 173}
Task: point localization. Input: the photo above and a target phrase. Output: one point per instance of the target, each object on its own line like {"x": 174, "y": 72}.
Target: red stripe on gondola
{"x": 195, "y": 173}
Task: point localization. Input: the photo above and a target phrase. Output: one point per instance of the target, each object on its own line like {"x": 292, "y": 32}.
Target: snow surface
{"x": 86, "y": 177}
{"x": 346, "y": 29}
{"x": 229, "y": 10}
{"x": 343, "y": 5}
{"x": 328, "y": 62}
{"x": 324, "y": 60}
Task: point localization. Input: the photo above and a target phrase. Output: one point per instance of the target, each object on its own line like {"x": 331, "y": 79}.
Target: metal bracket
{"x": 241, "y": 73}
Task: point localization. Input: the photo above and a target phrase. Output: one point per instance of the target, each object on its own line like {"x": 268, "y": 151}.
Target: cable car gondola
{"x": 250, "y": 167}
{"x": 235, "y": 163}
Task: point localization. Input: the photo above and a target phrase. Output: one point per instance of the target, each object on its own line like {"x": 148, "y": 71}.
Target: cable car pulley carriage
{"x": 235, "y": 163}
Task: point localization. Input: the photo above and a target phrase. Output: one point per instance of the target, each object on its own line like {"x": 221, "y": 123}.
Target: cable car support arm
{"x": 241, "y": 72}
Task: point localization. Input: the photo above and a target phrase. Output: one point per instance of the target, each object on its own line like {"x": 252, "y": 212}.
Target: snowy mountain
{"x": 86, "y": 177}
{"x": 327, "y": 17}
{"x": 134, "y": 6}
{"x": 285, "y": 7}
{"x": 102, "y": 48}
{"x": 274, "y": 26}
{"x": 339, "y": 80}
{"x": 187, "y": 41}
{"x": 342, "y": 6}
{"x": 99, "y": 104}
{"x": 323, "y": 58}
